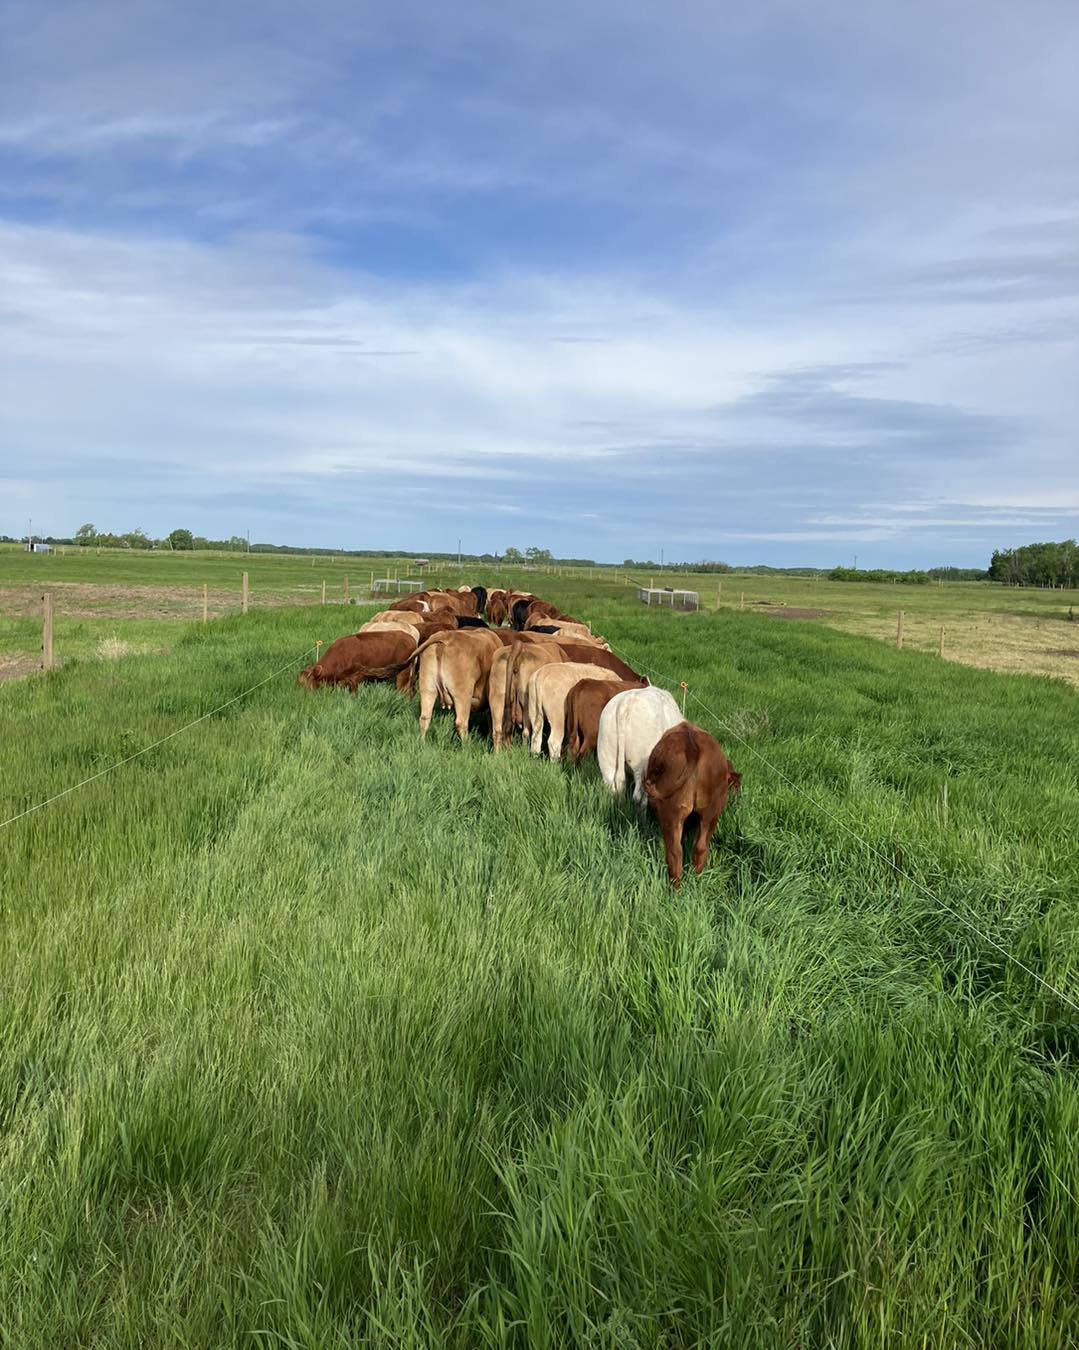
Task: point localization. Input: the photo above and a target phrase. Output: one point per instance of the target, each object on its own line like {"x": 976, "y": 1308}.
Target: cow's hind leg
{"x": 428, "y": 692}
{"x": 556, "y": 734}
{"x": 672, "y": 823}
{"x": 705, "y": 829}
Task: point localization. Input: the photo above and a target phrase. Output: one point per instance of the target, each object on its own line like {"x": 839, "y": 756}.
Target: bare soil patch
{"x": 797, "y": 613}
{"x": 16, "y": 665}
{"x": 1063, "y": 651}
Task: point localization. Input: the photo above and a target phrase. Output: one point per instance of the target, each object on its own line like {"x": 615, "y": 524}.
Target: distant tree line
{"x": 878, "y": 574}
{"x": 1037, "y": 565}
{"x": 701, "y": 566}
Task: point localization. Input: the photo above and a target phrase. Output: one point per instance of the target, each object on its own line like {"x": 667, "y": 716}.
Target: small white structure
{"x": 38, "y": 546}
{"x": 397, "y": 584}
{"x": 666, "y": 595}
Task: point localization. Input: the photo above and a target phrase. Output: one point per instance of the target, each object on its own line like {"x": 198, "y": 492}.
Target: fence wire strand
{"x": 147, "y": 748}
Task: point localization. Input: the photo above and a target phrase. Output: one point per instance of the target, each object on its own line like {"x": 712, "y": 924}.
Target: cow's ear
{"x": 734, "y": 780}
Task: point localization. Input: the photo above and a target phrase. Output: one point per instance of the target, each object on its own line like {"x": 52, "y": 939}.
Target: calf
{"x": 360, "y": 656}
{"x": 687, "y": 776}
{"x": 546, "y": 700}
{"x": 584, "y": 703}
{"x": 629, "y": 727}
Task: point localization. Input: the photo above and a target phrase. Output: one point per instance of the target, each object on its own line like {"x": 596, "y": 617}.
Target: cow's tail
{"x": 406, "y": 673}
{"x": 690, "y": 754}
{"x": 507, "y": 701}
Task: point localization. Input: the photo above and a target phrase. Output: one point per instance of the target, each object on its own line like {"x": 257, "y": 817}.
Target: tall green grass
{"x": 313, "y": 1035}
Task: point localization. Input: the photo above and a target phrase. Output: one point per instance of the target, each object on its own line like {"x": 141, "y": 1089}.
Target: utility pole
{"x": 856, "y": 562}
{"x": 458, "y": 555}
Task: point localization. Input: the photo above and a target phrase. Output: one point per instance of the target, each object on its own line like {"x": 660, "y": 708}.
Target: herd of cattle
{"x": 544, "y": 673}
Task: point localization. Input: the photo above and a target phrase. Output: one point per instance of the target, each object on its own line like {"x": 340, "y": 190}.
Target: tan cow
{"x": 546, "y": 700}
{"x": 405, "y": 617}
{"x": 408, "y": 630}
{"x": 572, "y": 632}
{"x": 453, "y": 670}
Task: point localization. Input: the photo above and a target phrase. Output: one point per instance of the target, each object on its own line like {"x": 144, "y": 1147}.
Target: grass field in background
{"x": 1012, "y": 630}
{"x": 317, "y": 1036}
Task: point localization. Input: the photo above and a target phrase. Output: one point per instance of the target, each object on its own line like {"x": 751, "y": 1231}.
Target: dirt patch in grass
{"x": 1063, "y": 651}
{"x": 81, "y": 600}
{"x": 16, "y": 665}
{"x": 797, "y": 613}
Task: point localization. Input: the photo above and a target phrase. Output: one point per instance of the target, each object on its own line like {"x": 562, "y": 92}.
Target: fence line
{"x": 147, "y": 748}
{"x": 890, "y": 862}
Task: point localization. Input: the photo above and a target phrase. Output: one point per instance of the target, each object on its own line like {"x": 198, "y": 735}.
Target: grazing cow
{"x": 453, "y": 670}
{"x": 405, "y": 617}
{"x": 360, "y": 656}
{"x": 480, "y": 592}
{"x": 629, "y": 727}
{"x": 456, "y": 602}
{"x": 417, "y": 603}
{"x": 471, "y": 621}
{"x": 496, "y": 607}
{"x": 523, "y": 666}
{"x": 584, "y": 703}
{"x": 572, "y": 632}
{"x": 688, "y": 776}
{"x": 546, "y": 700}
{"x": 529, "y": 609}
{"x": 409, "y": 630}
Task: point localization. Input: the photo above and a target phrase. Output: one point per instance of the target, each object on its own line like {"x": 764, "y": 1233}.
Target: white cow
{"x": 629, "y": 727}
{"x": 545, "y": 700}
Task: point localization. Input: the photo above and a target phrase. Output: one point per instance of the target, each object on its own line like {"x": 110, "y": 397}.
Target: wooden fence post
{"x": 346, "y": 590}
{"x": 324, "y": 590}
{"x": 205, "y": 602}
{"x": 742, "y": 600}
{"x": 46, "y": 631}
{"x": 245, "y": 592}
{"x": 942, "y": 641}
{"x": 899, "y": 632}
{"x": 719, "y": 595}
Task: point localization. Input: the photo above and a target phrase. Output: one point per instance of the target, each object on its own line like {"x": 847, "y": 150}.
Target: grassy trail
{"x": 314, "y": 1035}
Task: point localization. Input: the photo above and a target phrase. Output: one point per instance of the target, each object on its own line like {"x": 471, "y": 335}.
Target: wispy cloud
{"x": 604, "y": 279}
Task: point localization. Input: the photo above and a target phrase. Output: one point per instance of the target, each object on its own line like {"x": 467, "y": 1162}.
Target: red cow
{"x": 688, "y": 775}
{"x": 358, "y": 657}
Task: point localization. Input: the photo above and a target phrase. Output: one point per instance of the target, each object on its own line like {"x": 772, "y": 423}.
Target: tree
{"x": 181, "y": 539}
{"x": 512, "y": 555}
{"x": 86, "y": 534}
{"x": 136, "y": 538}
{"x": 538, "y": 555}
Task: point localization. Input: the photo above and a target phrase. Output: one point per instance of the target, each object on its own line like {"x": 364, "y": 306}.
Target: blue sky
{"x": 786, "y": 286}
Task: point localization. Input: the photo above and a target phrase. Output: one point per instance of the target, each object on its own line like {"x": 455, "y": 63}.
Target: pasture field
{"x": 99, "y": 595}
{"x": 314, "y": 1035}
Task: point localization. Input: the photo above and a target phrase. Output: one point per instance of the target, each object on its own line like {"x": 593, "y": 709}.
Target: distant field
{"x": 1027, "y": 631}
{"x": 317, "y": 1036}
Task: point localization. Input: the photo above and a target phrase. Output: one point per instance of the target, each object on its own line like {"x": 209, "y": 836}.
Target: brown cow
{"x": 358, "y": 657}
{"x": 688, "y": 775}
{"x": 584, "y": 703}
{"x": 497, "y": 606}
